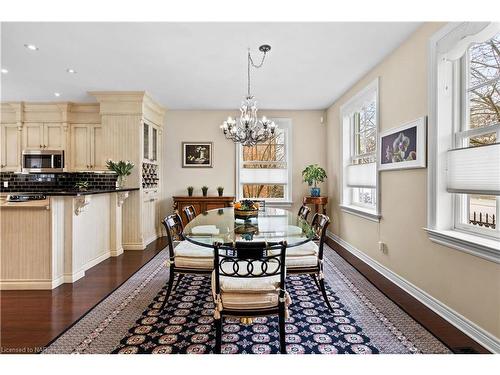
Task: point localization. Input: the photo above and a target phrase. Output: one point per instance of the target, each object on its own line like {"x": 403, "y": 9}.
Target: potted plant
{"x": 204, "y": 190}
{"x": 82, "y": 185}
{"x": 122, "y": 169}
{"x": 190, "y": 190}
{"x": 220, "y": 190}
{"x": 313, "y": 174}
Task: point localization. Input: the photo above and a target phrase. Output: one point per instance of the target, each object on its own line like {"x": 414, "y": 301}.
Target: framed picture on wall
{"x": 197, "y": 154}
{"x": 404, "y": 147}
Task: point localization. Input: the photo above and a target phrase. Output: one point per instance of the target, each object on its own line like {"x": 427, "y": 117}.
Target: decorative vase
{"x": 315, "y": 192}
{"x": 120, "y": 182}
{"x": 205, "y": 191}
{"x": 220, "y": 192}
{"x": 190, "y": 192}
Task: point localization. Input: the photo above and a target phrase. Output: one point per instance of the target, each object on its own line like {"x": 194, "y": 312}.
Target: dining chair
{"x": 190, "y": 212}
{"x": 307, "y": 259}
{"x": 186, "y": 257}
{"x": 303, "y": 212}
{"x": 248, "y": 281}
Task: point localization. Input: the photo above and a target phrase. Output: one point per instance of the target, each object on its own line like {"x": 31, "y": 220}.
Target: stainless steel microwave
{"x": 43, "y": 161}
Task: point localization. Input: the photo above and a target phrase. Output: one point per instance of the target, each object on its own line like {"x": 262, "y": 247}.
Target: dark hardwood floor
{"x": 451, "y": 336}
{"x": 30, "y": 319}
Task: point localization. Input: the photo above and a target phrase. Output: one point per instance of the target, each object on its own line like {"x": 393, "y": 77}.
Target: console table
{"x": 200, "y": 204}
{"x": 317, "y": 202}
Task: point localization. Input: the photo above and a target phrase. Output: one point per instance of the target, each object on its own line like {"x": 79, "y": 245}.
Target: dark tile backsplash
{"x": 39, "y": 182}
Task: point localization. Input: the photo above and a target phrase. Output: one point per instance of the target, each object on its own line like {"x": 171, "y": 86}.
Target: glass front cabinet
{"x": 150, "y": 143}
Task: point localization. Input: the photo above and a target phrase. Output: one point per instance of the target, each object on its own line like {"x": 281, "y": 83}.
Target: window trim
{"x": 345, "y": 155}
{"x": 287, "y": 201}
{"x": 441, "y": 204}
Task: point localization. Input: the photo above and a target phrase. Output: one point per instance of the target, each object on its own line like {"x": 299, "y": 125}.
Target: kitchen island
{"x": 47, "y": 242}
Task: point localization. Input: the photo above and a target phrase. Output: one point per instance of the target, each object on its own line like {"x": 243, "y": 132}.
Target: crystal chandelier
{"x": 249, "y": 129}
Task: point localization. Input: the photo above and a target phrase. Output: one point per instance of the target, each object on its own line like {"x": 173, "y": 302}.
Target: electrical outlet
{"x": 382, "y": 247}
{"x": 6, "y": 184}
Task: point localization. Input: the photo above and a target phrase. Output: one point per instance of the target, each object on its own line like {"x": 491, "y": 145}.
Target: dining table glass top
{"x": 270, "y": 225}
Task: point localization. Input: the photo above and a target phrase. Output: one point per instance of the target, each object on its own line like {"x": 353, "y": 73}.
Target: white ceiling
{"x": 194, "y": 65}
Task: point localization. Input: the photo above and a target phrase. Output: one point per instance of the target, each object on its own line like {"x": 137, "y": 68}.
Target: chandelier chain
{"x": 257, "y": 66}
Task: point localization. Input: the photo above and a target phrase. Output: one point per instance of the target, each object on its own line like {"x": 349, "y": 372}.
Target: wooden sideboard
{"x": 200, "y": 204}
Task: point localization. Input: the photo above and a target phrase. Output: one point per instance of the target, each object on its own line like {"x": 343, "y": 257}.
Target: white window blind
{"x": 263, "y": 176}
{"x": 362, "y": 175}
{"x": 474, "y": 170}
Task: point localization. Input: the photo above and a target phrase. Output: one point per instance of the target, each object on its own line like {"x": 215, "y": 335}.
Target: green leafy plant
{"x": 82, "y": 185}
{"x": 204, "y": 189}
{"x": 190, "y": 190}
{"x": 313, "y": 174}
{"x": 121, "y": 168}
{"x": 220, "y": 190}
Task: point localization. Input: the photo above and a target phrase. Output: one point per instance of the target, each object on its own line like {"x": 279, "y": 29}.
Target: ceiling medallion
{"x": 248, "y": 129}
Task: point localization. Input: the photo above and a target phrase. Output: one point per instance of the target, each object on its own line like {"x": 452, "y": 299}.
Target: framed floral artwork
{"x": 404, "y": 147}
{"x": 197, "y": 154}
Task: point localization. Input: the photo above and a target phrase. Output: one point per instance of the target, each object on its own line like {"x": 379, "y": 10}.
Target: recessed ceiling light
{"x": 57, "y": 94}
{"x": 71, "y": 71}
{"x": 4, "y": 71}
{"x": 31, "y": 47}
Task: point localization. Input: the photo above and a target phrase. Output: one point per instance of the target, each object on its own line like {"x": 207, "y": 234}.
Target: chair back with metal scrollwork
{"x": 173, "y": 226}
{"x": 319, "y": 225}
{"x": 303, "y": 212}
{"x": 250, "y": 260}
{"x": 190, "y": 213}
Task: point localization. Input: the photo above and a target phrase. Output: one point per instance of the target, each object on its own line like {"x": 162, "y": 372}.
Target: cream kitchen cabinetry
{"x": 10, "y": 148}
{"x": 132, "y": 123}
{"x": 44, "y": 136}
{"x": 150, "y": 216}
{"x": 87, "y": 153}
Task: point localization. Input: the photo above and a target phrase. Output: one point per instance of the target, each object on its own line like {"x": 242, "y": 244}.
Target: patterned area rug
{"x": 186, "y": 326}
{"x": 364, "y": 321}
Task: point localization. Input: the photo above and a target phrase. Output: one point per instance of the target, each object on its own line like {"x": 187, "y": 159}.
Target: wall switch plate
{"x": 382, "y": 247}
{"x": 6, "y": 184}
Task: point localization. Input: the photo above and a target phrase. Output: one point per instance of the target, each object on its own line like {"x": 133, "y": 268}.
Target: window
{"x": 464, "y": 148}
{"x": 359, "y": 118}
{"x": 263, "y": 170}
{"x": 478, "y": 125}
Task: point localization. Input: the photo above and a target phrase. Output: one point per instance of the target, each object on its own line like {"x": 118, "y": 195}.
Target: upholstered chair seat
{"x": 302, "y": 261}
{"x": 189, "y": 255}
{"x": 242, "y": 294}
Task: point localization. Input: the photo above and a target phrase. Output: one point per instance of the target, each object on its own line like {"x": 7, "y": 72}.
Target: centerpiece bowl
{"x": 246, "y": 210}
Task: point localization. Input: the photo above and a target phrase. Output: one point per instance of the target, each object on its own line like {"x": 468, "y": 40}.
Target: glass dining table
{"x": 271, "y": 225}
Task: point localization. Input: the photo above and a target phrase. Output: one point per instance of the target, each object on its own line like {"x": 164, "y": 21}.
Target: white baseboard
{"x": 134, "y": 246}
{"x": 140, "y": 245}
{"x": 31, "y": 284}
{"x": 28, "y": 284}
{"x": 96, "y": 261}
{"x": 117, "y": 252}
{"x": 73, "y": 277}
{"x": 486, "y": 339}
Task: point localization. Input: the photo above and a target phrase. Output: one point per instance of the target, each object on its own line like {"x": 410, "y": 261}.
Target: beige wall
{"x": 467, "y": 284}
{"x": 308, "y": 146}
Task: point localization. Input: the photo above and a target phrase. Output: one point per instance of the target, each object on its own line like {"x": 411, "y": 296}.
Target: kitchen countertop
{"x": 74, "y": 193}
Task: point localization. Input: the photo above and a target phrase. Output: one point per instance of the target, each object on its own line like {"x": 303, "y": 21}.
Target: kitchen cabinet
{"x": 10, "y": 148}
{"x": 44, "y": 136}
{"x": 86, "y": 148}
{"x": 150, "y": 142}
{"x": 150, "y": 216}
